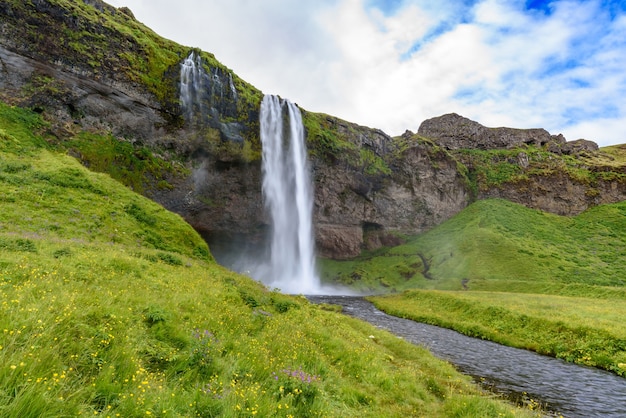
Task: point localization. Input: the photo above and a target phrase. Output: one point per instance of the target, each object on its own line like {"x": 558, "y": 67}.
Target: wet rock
{"x": 339, "y": 241}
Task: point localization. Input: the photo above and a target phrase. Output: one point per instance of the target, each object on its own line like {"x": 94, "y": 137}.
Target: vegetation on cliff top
{"x": 497, "y": 167}
{"x": 334, "y": 140}
{"x": 112, "y": 306}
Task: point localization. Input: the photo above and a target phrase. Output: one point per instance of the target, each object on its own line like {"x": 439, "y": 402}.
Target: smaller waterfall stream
{"x": 288, "y": 198}
{"x": 191, "y": 84}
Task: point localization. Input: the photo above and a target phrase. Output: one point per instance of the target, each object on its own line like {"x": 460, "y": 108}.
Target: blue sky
{"x": 390, "y": 64}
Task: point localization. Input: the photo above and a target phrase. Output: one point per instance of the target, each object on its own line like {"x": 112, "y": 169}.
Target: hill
{"x": 113, "y": 306}
{"x": 497, "y": 245}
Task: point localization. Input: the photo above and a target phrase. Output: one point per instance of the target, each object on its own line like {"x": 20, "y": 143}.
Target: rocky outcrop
{"x": 357, "y": 207}
{"x": 74, "y": 63}
{"x": 453, "y": 132}
{"x": 579, "y": 146}
{"x": 559, "y": 193}
{"x": 73, "y": 101}
{"x": 532, "y": 171}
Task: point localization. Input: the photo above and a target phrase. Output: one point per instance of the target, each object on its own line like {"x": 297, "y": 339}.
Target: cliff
{"x": 531, "y": 166}
{"x": 110, "y": 89}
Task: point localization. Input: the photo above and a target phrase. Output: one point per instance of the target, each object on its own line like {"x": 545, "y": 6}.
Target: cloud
{"x": 391, "y": 64}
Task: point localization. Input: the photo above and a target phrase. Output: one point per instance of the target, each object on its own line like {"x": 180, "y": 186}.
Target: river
{"x": 564, "y": 388}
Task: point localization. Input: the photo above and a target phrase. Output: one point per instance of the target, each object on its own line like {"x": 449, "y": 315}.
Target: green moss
{"x": 494, "y": 168}
{"x": 137, "y": 167}
{"x": 19, "y": 130}
{"x": 324, "y": 141}
{"x": 327, "y": 142}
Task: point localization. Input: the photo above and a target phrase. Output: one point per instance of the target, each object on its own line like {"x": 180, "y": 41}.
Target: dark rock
{"x": 578, "y": 146}
{"x": 127, "y": 12}
{"x": 424, "y": 189}
{"x": 454, "y": 132}
{"x": 339, "y": 241}
{"x": 67, "y": 97}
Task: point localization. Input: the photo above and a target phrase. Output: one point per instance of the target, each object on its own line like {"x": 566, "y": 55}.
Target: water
{"x": 566, "y": 388}
{"x": 191, "y": 84}
{"x": 287, "y": 190}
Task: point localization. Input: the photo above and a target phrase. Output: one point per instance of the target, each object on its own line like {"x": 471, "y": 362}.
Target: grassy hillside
{"x": 112, "y": 306}
{"x": 499, "y": 245}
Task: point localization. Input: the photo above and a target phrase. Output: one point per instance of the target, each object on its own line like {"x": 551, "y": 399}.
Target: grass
{"x": 494, "y": 168}
{"x": 498, "y": 245}
{"x": 584, "y": 330}
{"x": 112, "y": 306}
{"x": 134, "y": 166}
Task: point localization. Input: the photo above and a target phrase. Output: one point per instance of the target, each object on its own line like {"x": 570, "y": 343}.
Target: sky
{"x": 390, "y": 64}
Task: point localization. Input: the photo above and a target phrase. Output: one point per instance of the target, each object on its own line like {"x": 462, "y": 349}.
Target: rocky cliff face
{"x": 79, "y": 68}
{"x": 531, "y": 166}
{"x": 455, "y": 132}
{"x": 357, "y": 207}
{"x": 88, "y": 67}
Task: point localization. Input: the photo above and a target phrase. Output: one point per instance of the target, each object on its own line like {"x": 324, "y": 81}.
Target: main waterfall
{"x": 288, "y": 198}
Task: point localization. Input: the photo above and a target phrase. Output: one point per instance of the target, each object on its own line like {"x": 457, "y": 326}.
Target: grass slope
{"x": 499, "y": 245}
{"x": 112, "y": 306}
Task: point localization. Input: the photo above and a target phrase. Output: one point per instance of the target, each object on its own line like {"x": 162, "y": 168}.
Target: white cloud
{"x": 494, "y": 62}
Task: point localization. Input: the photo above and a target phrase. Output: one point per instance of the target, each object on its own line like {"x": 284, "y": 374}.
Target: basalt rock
{"x": 73, "y": 101}
{"x": 579, "y": 146}
{"x": 421, "y": 188}
{"x": 455, "y": 132}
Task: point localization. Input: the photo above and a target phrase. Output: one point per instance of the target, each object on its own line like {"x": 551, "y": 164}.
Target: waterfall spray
{"x": 288, "y": 198}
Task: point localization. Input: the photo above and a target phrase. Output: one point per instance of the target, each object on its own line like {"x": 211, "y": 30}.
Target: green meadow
{"x": 112, "y": 306}
{"x": 584, "y": 330}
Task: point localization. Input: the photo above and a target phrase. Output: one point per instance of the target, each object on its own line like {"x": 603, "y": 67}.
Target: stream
{"x": 564, "y": 388}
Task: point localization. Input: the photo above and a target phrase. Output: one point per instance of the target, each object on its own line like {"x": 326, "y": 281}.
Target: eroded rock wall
{"x": 454, "y": 132}
{"x": 357, "y": 209}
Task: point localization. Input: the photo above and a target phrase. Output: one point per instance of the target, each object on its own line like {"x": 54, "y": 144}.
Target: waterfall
{"x": 288, "y": 199}
{"x": 191, "y": 84}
